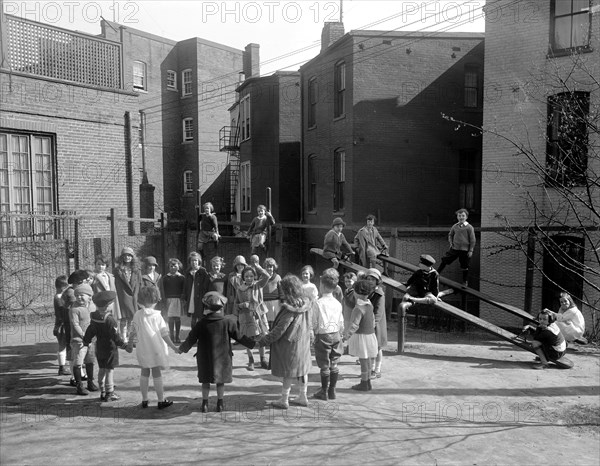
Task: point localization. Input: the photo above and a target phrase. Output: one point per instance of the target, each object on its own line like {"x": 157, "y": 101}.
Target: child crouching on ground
{"x": 149, "y": 332}
{"x": 103, "y": 326}
{"x": 362, "y": 342}
{"x": 548, "y": 343}
{"x": 214, "y": 357}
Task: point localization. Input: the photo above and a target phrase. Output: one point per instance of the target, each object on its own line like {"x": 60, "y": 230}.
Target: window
{"x": 570, "y": 24}
{"x": 339, "y": 179}
{"x": 245, "y": 193}
{"x": 186, "y": 82}
{"x": 339, "y": 89}
{"x": 188, "y": 182}
{"x": 312, "y": 183}
{"x": 472, "y": 99}
{"x": 467, "y": 179}
{"x": 188, "y": 129}
{"x": 312, "y": 102}
{"x": 245, "y": 118}
{"x": 139, "y": 75}
{"x": 567, "y": 138}
{"x": 171, "y": 80}
{"x": 27, "y": 183}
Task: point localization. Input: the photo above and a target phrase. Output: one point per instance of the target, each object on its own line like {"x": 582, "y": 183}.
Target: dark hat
{"x": 427, "y": 260}
{"x": 151, "y": 260}
{"x": 127, "y": 250}
{"x": 84, "y": 288}
{"x": 214, "y": 300}
{"x": 78, "y": 276}
{"x": 104, "y": 298}
{"x": 338, "y": 221}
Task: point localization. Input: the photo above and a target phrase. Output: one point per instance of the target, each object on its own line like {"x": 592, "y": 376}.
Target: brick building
{"x": 542, "y": 68}
{"x": 263, "y": 142}
{"x": 374, "y": 136}
{"x": 125, "y": 119}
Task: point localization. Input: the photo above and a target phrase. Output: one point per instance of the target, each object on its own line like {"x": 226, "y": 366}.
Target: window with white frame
{"x": 139, "y": 76}
{"x": 171, "y": 80}
{"x": 188, "y": 129}
{"x": 312, "y": 102}
{"x": 186, "y": 83}
{"x": 339, "y": 90}
{"x": 245, "y": 187}
{"x": 245, "y": 118}
{"x": 188, "y": 182}
{"x": 570, "y": 24}
{"x": 27, "y": 184}
{"x": 339, "y": 179}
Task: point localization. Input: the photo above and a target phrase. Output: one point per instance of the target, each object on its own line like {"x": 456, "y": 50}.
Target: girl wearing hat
{"x": 335, "y": 245}
{"x": 208, "y": 229}
{"x": 128, "y": 280}
{"x": 105, "y": 281}
{"x": 377, "y": 299}
{"x": 234, "y": 277}
{"x": 369, "y": 243}
{"x": 151, "y": 277}
{"x": 213, "y": 333}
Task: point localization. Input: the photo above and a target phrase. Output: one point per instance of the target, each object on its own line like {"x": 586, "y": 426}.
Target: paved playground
{"x": 451, "y": 398}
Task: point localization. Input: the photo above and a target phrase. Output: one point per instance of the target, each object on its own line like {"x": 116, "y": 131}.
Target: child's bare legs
{"x": 177, "y": 329}
{"x": 172, "y": 328}
{"x": 101, "y": 383}
{"x": 263, "y": 359}
{"x": 158, "y": 386}
{"x": 144, "y": 383}
{"x": 537, "y": 347}
{"x": 251, "y": 359}
{"x": 205, "y": 393}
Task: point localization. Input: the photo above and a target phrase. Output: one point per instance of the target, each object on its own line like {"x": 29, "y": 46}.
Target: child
{"x": 257, "y": 232}
{"x": 369, "y": 243}
{"x": 172, "y": 286}
{"x": 196, "y": 285}
{"x": 423, "y": 285}
{"x": 377, "y": 299}
{"x": 328, "y": 326}
{"x": 213, "y": 333}
{"x": 462, "y": 243}
{"x": 290, "y": 341}
{"x": 548, "y": 343}
{"x": 151, "y": 277}
{"x": 217, "y": 279}
{"x": 271, "y": 291}
{"x": 62, "y": 326}
{"x": 208, "y": 229}
{"x": 335, "y": 246}
{"x": 251, "y": 310}
{"x": 349, "y": 298}
{"x": 149, "y": 332}
{"x": 103, "y": 327}
{"x": 309, "y": 288}
{"x": 233, "y": 279}
{"x": 80, "y": 320}
{"x": 362, "y": 342}
{"x": 569, "y": 319}
{"x": 128, "y": 280}
{"x": 105, "y": 281}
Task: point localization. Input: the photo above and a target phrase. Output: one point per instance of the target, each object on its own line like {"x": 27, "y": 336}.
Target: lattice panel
{"x": 55, "y": 53}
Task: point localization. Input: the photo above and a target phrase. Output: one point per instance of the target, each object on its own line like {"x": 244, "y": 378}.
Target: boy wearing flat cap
{"x": 335, "y": 245}
{"x": 423, "y": 285}
{"x": 214, "y": 356}
{"x": 103, "y": 326}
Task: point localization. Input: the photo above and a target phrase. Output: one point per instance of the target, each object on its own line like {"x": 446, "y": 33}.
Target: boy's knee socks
{"x": 158, "y": 386}
{"x": 144, "y": 383}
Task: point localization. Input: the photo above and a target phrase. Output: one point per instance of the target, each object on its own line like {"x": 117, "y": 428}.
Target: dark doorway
{"x": 563, "y": 259}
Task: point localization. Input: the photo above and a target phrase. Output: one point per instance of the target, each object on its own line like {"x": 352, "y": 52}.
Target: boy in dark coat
{"x": 214, "y": 357}
{"x": 103, "y": 326}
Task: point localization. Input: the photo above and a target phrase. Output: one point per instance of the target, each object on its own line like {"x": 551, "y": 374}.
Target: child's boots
{"x": 220, "y": 405}
{"x": 322, "y": 393}
{"x": 80, "y": 388}
{"x": 333, "y": 378}
{"x": 64, "y": 370}
{"x": 204, "y": 407}
{"x": 363, "y": 386}
{"x": 91, "y": 385}
{"x": 250, "y": 363}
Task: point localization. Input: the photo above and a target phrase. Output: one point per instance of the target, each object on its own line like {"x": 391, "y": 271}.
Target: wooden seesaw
{"x": 506, "y": 335}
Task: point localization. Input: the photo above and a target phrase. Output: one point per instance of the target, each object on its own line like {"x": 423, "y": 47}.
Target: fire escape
{"x": 229, "y": 142}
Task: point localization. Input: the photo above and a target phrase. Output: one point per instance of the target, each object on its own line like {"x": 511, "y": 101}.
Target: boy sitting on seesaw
{"x": 423, "y": 285}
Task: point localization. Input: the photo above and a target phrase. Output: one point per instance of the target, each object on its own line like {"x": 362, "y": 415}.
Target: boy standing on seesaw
{"x": 462, "y": 243}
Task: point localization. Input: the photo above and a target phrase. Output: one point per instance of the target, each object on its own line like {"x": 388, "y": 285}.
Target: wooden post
{"x": 113, "y": 236}
{"x": 268, "y": 244}
{"x": 401, "y": 313}
{"x": 163, "y": 237}
{"x": 388, "y": 271}
{"x": 76, "y": 244}
{"x": 528, "y": 300}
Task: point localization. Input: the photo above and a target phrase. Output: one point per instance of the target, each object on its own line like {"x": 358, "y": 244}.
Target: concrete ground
{"x": 451, "y": 398}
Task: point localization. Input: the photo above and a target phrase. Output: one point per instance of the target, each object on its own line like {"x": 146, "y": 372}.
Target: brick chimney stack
{"x": 332, "y": 31}
{"x": 252, "y": 61}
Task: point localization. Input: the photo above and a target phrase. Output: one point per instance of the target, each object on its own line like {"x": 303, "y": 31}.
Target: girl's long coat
{"x": 363, "y": 239}
{"x": 98, "y": 286}
{"x": 377, "y": 299}
{"x": 214, "y": 357}
{"x": 290, "y": 341}
{"x": 127, "y": 292}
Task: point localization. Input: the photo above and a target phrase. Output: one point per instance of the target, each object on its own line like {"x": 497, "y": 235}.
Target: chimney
{"x": 332, "y": 32}
{"x": 251, "y": 61}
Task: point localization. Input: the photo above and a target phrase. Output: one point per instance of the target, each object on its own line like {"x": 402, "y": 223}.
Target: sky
{"x": 288, "y": 32}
